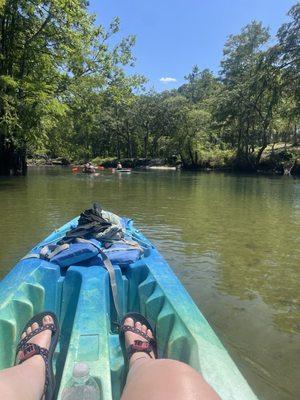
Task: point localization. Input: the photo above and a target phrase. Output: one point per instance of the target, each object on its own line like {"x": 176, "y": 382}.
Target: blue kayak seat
{"x": 120, "y": 252}
{"x": 70, "y": 254}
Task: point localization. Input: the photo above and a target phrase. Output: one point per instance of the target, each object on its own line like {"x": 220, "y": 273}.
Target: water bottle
{"x": 81, "y": 386}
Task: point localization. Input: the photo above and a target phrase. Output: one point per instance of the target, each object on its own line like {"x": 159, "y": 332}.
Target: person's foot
{"x": 130, "y": 337}
{"x": 42, "y": 339}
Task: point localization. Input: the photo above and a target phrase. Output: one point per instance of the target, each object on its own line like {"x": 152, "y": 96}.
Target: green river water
{"x": 234, "y": 242}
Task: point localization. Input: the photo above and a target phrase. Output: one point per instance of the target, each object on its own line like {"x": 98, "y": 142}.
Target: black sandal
{"x": 28, "y": 350}
{"x": 146, "y": 346}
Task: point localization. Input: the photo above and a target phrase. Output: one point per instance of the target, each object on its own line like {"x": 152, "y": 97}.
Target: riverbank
{"x": 281, "y": 159}
{"x": 44, "y": 160}
{"x": 278, "y": 159}
{"x": 111, "y": 162}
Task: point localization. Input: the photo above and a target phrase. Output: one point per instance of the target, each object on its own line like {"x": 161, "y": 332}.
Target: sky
{"x": 174, "y": 35}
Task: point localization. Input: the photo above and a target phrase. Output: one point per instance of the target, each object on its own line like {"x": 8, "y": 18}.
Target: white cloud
{"x": 167, "y": 79}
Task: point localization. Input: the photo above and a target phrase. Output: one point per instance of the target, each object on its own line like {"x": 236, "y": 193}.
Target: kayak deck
{"x": 81, "y": 298}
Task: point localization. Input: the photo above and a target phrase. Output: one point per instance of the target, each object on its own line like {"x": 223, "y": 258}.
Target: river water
{"x": 233, "y": 240}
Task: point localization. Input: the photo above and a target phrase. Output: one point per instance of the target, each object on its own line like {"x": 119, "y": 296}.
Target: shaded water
{"x": 234, "y": 242}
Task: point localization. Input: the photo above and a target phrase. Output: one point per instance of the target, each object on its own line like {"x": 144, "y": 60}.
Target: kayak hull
{"x": 124, "y": 170}
{"x": 81, "y": 298}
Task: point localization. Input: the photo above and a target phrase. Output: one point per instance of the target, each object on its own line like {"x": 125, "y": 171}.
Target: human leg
{"x": 153, "y": 379}
{"x": 26, "y": 381}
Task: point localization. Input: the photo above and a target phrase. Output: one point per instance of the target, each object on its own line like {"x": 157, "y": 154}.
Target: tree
{"x": 63, "y": 91}
{"x": 250, "y": 94}
{"x": 287, "y": 56}
{"x": 50, "y": 51}
{"x": 200, "y": 85}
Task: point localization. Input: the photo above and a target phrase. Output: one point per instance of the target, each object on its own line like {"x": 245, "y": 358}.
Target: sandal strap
{"x": 28, "y": 350}
{"x": 139, "y": 347}
{"x": 126, "y": 328}
{"x": 34, "y": 333}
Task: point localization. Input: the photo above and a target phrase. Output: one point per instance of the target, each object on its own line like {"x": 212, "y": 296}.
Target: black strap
{"x": 90, "y": 223}
{"x": 139, "y": 347}
{"x": 46, "y": 253}
{"x": 35, "y": 332}
{"x": 126, "y": 328}
{"x": 49, "y": 254}
{"x": 32, "y": 349}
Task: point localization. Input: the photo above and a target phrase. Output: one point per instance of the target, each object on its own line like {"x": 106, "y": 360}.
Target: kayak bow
{"x": 81, "y": 297}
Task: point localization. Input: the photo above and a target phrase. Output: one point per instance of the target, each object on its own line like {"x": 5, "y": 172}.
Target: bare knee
{"x": 165, "y": 378}
{"x": 176, "y": 366}
{"x": 182, "y": 373}
{"x": 189, "y": 384}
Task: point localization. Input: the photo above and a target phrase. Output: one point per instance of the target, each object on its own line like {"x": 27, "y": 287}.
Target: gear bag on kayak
{"x": 98, "y": 224}
{"x": 98, "y": 235}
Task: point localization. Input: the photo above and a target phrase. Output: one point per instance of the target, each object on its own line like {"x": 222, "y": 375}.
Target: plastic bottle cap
{"x": 80, "y": 370}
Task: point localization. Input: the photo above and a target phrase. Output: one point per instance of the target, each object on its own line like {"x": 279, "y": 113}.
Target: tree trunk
{"x": 12, "y": 160}
{"x": 5, "y": 156}
{"x": 191, "y": 156}
{"x": 19, "y": 162}
{"x": 155, "y": 146}
{"x": 118, "y": 146}
{"x": 146, "y": 139}
{"x": 288, "y": 166}
{"x": 296, "y": 136}
{"x": 183, "y": 160}
{"x": 259, "y": 154}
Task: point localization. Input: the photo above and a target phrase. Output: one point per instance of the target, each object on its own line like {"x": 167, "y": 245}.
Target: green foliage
{"x": 54, "y": 63}
{"x": 63, "y": 90}
{"x": 216, "y": 158}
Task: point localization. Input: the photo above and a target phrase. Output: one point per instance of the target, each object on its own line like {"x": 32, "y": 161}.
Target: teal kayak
{"x": 82, "y": 298}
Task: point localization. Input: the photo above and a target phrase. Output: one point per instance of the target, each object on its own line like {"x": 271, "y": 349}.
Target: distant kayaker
{"x": 148, "y": 378}
{"x": 119, "y": 165}
{"x": 89, "y": 168}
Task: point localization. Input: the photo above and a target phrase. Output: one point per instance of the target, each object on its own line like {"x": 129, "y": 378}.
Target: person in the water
{"x": 88, "y": 167}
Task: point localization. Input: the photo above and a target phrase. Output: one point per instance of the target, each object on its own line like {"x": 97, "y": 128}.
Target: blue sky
{"x": 174, "y": 35}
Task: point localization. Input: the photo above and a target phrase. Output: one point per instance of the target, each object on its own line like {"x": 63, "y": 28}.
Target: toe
{"x": 23, "y": 335}
{"x": 138, "y": 326}
{"x": 28, "y": 330}
{"x": 129, "y": 322}
{"x": 47, "y": 320}
{"x": 149, "y": 333}
{"x": 34, "y": 326}
{"x": 144, "y": 328}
